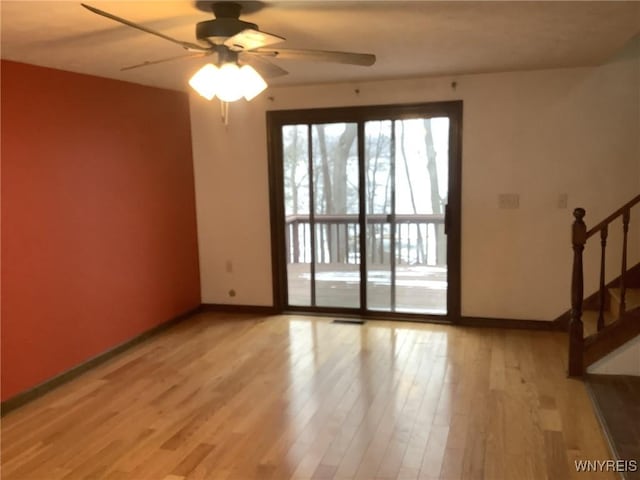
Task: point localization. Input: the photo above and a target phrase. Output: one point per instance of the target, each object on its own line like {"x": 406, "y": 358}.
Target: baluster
{"x": 427, "y": 240}
{"x": 418, "y": 242}
{"x": 347, "y": 237}
{"x": 327, "y": 240}
{"x": 295, "y": 231}
{"x": 409, "y": 225}
{"x": 350, "y": 235}
{"x": 398, "y": 248}
{"x": 287, "y": 242}
{"x": 293, "y": 236}
{"x": 322, "y": 243}
{"x": 335, "y": 239}
{"x": 311, "y": 247}
{"x": 354, "y": 232}
{"x": 408, "y": 241}
{"x": 416, "y": 227}
{"x": 408, "y": 233}
{"x": 601, "y": 295}
{"x": 381, "y": 245}
{"x": 576, "y": 328}
{"x": 375, "y": 247}
{"x": 338, "y": 247}
{"x": 423, "y": 246}
{"x": 623, "y": 288}
{"x": 345, "y": 247}
{"x": 304, "y": 243}
{"x": 355, "y": 238}
{"x": 327, "y": 232}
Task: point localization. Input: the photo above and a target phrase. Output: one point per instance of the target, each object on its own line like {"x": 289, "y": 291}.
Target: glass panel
{"x": 336, "y": 207}
{"x": 406, "y": 190}
{"x": 296, "y": 204}
{"x": 421, "y": 166}
{"x": 378, "y": 208}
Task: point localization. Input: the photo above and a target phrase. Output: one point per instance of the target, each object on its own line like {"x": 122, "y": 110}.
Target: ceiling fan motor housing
{"x": 218, "y": 30}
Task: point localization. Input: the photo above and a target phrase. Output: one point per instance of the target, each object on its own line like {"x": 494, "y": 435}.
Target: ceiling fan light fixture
{"x": 227, "y": 36}
{"x": 229, "y": 82}
{"x": 252, "y": 83}
{"x": 204, "y": 81}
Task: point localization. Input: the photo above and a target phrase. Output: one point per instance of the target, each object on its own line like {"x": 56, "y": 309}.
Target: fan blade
{"x": 185, "y": 45}
{"x": 249, "y": 39}
{"x": 364, "y": 59}
{"x": 262, "y": 66}
{"x": 170, "y": 59}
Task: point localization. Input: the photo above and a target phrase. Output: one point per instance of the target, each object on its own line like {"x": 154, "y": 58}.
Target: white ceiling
{"x": 410, "y": 39}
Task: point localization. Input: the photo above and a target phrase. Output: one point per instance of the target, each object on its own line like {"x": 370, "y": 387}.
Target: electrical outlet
{"x": 228, "y": 266}
{"x": 509, "y": 200}
{"x": 232, "y": 293}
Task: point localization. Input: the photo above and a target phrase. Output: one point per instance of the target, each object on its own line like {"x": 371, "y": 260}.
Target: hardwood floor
{"x": 291, "y": 397}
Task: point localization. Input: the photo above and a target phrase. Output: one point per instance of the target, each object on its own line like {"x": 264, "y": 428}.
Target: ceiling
{"x": 410, "y": 39}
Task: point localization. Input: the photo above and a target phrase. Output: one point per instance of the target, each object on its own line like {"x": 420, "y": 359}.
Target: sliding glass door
{"x": 407, "y": 167}
{"x": 320, "y": 166}
{"x": 363, "y": 216}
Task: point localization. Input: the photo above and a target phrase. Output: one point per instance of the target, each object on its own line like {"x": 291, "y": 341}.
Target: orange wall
{"x": 98, "y": 218}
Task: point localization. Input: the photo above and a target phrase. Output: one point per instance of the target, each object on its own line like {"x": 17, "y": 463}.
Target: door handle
{"x": 446, "y": 219}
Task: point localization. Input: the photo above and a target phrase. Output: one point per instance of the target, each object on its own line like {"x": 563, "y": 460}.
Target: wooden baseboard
{"x": 64, "y": 377}
{"x": 252, "y": 309}
{"x": 562, "y": 322}
{"x": 511, "y": 323}
{"x": 464, "y": 321}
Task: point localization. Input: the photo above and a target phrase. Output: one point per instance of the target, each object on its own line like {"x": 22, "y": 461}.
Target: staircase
{"x": 610, "y": 317}
{"x": 611, "y": 312}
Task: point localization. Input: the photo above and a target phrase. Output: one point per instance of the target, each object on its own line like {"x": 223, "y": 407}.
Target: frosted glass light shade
{"x": 229, "y": 82}
{"x": 252, "y": 82}
{"x": 204, "y": 81}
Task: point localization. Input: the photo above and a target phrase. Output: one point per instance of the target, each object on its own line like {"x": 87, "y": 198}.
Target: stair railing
{"x": 579, "y": 237}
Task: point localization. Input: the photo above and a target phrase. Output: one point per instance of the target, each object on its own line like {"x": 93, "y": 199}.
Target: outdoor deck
{"x": 419, "y": 289}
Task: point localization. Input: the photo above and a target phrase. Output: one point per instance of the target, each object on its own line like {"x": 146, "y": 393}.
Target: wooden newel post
{"x": 576, "y": 328}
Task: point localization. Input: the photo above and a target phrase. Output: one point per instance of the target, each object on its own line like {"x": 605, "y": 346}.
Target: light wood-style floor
{"x": 291, "y": 397}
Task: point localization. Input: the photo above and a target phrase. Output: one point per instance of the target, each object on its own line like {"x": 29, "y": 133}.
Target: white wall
{"x": 538, "y": 134}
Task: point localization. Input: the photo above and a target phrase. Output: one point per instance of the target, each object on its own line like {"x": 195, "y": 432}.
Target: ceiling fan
{"x": 231, "y": 40}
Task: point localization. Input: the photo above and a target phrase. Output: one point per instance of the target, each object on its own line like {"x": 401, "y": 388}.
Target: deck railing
{"x": 337, "y": 238}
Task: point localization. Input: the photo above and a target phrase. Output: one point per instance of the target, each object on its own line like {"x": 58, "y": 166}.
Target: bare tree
{"x": 376, "y": 147}
{"x": 437, "y": 201}
{"x": 420, "y": 246}
{"x": 333, "y": 169}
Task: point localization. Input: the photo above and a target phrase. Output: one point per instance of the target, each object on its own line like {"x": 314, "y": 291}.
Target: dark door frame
{"x": 276, "y": 119}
